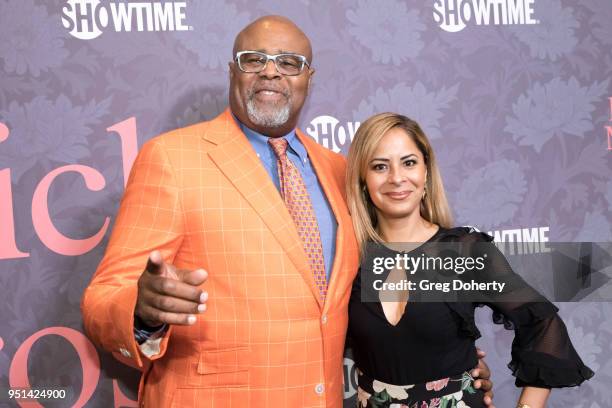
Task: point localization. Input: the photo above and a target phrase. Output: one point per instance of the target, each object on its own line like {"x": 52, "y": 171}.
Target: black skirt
{"x": 451, "y": 392}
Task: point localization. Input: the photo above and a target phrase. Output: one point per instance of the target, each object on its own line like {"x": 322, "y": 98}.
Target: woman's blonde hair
{"x": 434, "y": 206}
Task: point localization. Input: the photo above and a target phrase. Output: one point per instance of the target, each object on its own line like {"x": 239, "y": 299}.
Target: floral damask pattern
{"x": 44, "y": 130}
{"x": 554, "y": 109}
{"x": 217, "y": 24}
{"x": 500, "y": 186}
{"x": 517, "y": 114}
{"x": 389, "y": 29}
{"x": 417, "y": 102}
{"x": 555, "y": 35}
{"x": 32, "y": 41}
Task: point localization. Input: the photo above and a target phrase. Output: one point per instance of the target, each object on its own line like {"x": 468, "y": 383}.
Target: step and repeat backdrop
{"x": 515, "y": 95}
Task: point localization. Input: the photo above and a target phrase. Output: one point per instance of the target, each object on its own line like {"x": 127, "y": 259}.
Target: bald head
{"x": 268, "y": 101}
{"x": 270, "y": 24}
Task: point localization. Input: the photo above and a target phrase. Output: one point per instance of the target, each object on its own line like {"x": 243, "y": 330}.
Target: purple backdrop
{"x": 515, "y": 95}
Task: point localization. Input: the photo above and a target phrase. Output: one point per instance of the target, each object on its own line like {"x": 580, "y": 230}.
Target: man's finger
{"x": 195, "y": 278}
{"x": 484, "y": 373}
{"x": 485, "y": 385}
{"x": 176, "y": 305}
{"x": 177, "y": 289}
{"x": 153, "y": 314}
{"x": 483, "y": 369}
{"x": 154, "y": 263}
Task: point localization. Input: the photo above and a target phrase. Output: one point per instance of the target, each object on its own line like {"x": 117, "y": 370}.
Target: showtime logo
{"x": 531, "y": 240}
{"x": 329, "y": 133}
{"x": 453, "y": 15}
{"x": 87, "y": 19}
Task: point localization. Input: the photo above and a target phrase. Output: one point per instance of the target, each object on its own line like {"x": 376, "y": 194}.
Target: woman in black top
{"x": 418, "y": 354}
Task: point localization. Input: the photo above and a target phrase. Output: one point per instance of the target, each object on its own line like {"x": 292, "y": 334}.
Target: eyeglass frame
{"x": 269, "y": 57}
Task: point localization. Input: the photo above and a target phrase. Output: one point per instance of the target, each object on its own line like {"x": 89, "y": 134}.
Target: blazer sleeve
{"x": 150, "y": 217}
{"x": 542, "y": 352}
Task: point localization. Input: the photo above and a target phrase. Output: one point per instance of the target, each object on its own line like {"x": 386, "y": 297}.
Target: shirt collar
{"x": 262, "y": 140}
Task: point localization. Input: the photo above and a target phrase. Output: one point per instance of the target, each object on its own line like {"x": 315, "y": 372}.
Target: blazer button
{"x": 125, "y": 353}
{"x": 324, "y": 319}
{"x": 319, "y": 389}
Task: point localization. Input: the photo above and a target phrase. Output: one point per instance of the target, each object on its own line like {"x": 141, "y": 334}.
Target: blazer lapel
{"x": 337, "y": 283}
{"x": 238, "y": 161}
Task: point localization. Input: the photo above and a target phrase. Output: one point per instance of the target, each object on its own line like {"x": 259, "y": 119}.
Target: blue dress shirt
{"x": 296, "y": 153}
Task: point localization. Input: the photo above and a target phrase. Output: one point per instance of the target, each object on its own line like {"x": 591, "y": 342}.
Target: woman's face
{"x": 396, "y": 175}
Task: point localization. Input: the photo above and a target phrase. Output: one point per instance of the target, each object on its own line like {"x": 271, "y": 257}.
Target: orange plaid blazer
{"x": 201, "y": 196}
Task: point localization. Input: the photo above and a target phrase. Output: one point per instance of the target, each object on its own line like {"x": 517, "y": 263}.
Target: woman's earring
{"x": 424, "y": 193}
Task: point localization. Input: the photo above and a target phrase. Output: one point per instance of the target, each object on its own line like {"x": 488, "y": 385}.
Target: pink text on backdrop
{"x": 90, "y": 363}
{"x": 43, "y": 225}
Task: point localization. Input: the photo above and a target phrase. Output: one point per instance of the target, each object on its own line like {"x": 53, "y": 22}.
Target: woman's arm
{"x": 534, "y": 397}
{"x": 543, "y": 356}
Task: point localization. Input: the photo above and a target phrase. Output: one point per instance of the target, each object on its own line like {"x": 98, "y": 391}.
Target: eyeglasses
{"x": 286, "y": 64}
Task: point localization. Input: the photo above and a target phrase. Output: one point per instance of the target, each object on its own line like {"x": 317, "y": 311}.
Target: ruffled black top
{"x": 435, "y": 340}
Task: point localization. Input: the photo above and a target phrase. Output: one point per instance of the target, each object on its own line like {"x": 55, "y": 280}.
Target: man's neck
{"x": 280, "y": 131}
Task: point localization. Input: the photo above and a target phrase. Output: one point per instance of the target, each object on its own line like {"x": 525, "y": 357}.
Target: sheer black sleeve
{"x": 542, "y": 352}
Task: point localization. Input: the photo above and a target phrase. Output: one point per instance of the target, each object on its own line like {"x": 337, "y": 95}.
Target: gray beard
{"x": 270, "y": 118}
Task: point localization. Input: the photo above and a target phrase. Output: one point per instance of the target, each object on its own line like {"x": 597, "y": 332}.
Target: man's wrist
{"x": 141, "y": 325}
{"x": 144, "y": 332}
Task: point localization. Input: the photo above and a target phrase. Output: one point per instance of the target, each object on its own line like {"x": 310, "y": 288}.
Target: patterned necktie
{"x": 298, "y": 203}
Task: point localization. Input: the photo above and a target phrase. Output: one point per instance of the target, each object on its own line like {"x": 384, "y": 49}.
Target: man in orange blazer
{"x": 227, "y": 302}
{"x": 201, "y": 198}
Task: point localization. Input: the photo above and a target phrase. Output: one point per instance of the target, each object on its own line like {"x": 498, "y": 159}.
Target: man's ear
{"x": 231, "y": 69}
{"x": 312, "y": 72}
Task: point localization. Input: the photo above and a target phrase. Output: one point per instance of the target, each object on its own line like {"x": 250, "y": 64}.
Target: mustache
{"x": 268, "y": 86}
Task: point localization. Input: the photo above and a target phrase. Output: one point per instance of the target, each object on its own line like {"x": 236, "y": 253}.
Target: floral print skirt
{"x": 451, "y": 392}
